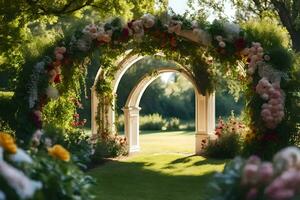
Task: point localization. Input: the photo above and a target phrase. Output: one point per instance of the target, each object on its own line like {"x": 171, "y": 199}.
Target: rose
{"x": 57, "y": 151}
{"x": 7, "y": 142}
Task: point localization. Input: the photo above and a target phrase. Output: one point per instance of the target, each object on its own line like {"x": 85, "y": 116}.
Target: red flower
{"x": 57, "y": 79}
{"x": 240, "y": 44}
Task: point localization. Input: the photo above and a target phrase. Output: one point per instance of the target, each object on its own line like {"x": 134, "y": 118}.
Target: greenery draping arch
{"x": 209, "y": 51}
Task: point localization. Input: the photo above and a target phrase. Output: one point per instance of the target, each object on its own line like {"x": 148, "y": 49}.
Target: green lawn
{"x": 165, "y": 169}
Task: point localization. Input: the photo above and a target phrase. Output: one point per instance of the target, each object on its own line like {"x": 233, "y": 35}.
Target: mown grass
{"x": 165, "y": 169}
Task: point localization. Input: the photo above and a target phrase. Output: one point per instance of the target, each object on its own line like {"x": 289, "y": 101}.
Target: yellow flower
{"x": 57, "y": 151}
{"x": 8, "y": 143}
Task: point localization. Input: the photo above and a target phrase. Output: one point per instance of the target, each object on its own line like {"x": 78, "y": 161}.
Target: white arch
{"x": 138, "y": 91}
{"x": 205, "y": 105}
{"x": 204, "y": 110}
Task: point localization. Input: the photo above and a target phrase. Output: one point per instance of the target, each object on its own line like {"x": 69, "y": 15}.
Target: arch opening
{"x": 204, "y": 105}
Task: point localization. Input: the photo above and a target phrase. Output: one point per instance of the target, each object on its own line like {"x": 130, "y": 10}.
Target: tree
{"x": 286, "y": 11}
{"x": 20, "y": 20}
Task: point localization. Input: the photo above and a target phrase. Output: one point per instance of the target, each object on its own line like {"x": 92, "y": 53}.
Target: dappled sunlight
{"x": 168, "y": 142}
{"x": 158, "y": 177}
{"x": 177, "y": 164}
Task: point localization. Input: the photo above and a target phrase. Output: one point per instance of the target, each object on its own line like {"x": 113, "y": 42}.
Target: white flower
{"x": 287, "y": 158}
{"x": 137, "y": 26}
{"x": 23, "y": 186}
{"x": 2, "y": 195}
{"x": 48, "y": 142}
{"x": 20, "y": 156}
{"x": 148, "y": 20}
{"x": 174, "y": 26}
{"x": 52, "y": 92}
{"x": 231, "y": 29}
{"x": 37, "y": 137}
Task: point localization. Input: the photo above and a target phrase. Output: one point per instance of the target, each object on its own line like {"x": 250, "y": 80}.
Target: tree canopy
{"x": 287, "y": 12}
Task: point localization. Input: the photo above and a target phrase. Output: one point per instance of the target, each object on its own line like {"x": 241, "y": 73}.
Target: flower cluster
{"x": 233, "y": 125}
{"x": 277, "y": 180}
{"x": 77, "y": 122}
{"x": 23, "y": 186}
{"x": 120, "y": 140}
{"x": 272, "y": 111}
{"x": 280, "y": 179}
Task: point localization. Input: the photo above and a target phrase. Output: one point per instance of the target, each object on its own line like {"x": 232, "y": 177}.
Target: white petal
{"x": 20, "y": 156}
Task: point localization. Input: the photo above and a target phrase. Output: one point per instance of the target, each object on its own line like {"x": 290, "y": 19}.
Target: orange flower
{"x": 57, "y": 151}
{"x": 8, "y": 143}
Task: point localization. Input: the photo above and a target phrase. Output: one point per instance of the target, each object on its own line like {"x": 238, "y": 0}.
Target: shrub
{"x": 80, "y": 146}
{"x": 228, "y": 139}
{"x": 173, "y": 124}
{"x": 110, "y": 147}
{"x": 76, "y": 141}
{"x": 60, "y": 180}
{"x": 152, "y": 122}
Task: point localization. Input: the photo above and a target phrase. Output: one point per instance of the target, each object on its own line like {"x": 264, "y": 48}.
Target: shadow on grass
{"x": 205, "y": 161}
{"x": 132, "y": 181}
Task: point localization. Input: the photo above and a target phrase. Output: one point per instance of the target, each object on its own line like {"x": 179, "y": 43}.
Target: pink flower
{"x": 249, "y": 176}
{"x": 265, "y": 172}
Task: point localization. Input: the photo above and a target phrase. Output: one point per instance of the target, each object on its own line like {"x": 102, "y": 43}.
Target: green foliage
{"x": 46, "y": 177}
{"x": 152, "y": 122}
{"x": 266, "y": 33}
{"x": 60, "y": 180}
{"x": 80, "y": 146}
{"x": 227, "y": 142}
{"x": 228, "y": 145}
{"x": 173, "y": 124}
{"x": 110, "y": 147}
{"x": 59, "y": 113}
{"x": 7, "y": 108}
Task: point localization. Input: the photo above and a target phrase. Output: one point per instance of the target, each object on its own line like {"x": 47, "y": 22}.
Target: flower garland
{"x": 225, "y": 40}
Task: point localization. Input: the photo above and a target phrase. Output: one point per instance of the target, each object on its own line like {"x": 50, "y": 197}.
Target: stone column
{"x": 94, "y": 109}
{"x": 132, "y": 127}
{"x": 204, "y": 119}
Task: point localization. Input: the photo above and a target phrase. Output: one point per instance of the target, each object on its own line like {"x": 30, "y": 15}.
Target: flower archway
{"x": 206, "y": 51}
